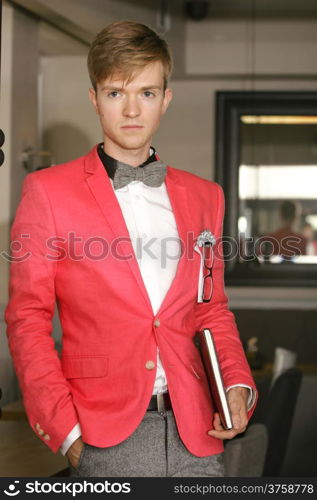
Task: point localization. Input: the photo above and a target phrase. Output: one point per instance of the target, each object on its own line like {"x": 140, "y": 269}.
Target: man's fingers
{"x": 225, "y": 434}
{"x": 219, "y": 432}
{"x": 237, "y": 398}
{"x": 217, "y": 422}
{"x": 236, "y": 421}
{"x": 237, "y": 404}
{"x": 243, "y": 417}
{"x": 239, "y": 420}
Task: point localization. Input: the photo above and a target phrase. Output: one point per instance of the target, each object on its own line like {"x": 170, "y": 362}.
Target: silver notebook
{"x": 206, "y": 345}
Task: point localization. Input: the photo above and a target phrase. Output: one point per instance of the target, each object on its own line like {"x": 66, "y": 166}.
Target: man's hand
{"x": 237, "y": 400}
{"x": 74, "y": 452}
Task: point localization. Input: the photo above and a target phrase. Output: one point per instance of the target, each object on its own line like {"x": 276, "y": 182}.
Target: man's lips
{"x": 132, "y": 126}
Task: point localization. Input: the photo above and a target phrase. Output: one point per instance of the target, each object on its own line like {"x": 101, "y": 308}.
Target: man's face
{"x": 130, "y": 112}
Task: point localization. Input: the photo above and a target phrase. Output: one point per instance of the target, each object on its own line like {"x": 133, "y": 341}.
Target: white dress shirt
{"x": 152, "y": 228}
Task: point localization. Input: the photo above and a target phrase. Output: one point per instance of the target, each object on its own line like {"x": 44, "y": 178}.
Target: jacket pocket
{"x": 84, "y": 366}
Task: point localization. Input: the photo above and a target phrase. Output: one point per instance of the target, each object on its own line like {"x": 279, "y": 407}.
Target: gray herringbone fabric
{"x": 152, "y": 174}
{"x": 153, "y": 450}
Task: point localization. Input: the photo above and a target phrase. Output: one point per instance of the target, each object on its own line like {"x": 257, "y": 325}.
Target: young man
{"x": 112, "y": 237}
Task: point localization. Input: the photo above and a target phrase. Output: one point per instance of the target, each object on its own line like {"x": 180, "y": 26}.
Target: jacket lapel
{"x": 178, "y": 196}
{"x": 101, "y": 189}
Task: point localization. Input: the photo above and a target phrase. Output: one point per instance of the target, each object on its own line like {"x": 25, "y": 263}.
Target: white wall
{"x": 234, "y": 45}
{"x": 70, "y": 126}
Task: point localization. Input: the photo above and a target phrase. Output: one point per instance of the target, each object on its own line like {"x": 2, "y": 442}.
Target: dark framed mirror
{"x": 266, "y": 162}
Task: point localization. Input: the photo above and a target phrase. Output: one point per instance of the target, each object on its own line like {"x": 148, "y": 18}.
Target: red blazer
{"x": 67, "y": 219}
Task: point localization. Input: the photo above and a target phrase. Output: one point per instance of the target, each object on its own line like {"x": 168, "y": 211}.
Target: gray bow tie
{"x": 152, "y": 174}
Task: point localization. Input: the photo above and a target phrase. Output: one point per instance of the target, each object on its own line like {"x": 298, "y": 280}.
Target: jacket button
{"x": 157, "y": 322}
{"x": 41, "y": 432}
{"x": 149, "y": 365}
{"x": 37, "y": 427}
{"x": 47, "y": 437}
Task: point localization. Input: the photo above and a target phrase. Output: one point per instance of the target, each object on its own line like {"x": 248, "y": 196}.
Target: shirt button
{"x": 47, "y": 437}
{"x": 157, "y": 322}
{"x": 149, "y": 365}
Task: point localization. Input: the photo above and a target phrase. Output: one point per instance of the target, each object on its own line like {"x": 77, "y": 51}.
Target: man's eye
{"x": 114, "y": 93}
{"x": 148, "y": 93}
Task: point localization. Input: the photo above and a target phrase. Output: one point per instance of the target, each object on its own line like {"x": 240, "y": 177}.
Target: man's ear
{"x": 168, "y": 95}
{"x": 93, "y": 98}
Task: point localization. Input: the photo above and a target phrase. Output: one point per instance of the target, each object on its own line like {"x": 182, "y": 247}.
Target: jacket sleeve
{"x": 216, "y": 316}
{"x": 29, "y": 313}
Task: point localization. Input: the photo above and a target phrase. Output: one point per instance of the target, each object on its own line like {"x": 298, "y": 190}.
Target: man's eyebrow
{"x": 146, "y": 87}
{"x": 111, "y": 87}
{"x": 152, "y": 87}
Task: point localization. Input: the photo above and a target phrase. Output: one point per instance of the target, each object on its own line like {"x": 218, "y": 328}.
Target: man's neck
{"x": 133, "y": 157}
{"x": 111, "y": 164}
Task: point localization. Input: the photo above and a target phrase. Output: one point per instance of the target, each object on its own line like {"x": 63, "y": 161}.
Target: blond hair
{"x": 126, "y": 47}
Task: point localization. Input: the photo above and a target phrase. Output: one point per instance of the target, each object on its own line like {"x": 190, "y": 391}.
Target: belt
{"x": 160, "y": 403}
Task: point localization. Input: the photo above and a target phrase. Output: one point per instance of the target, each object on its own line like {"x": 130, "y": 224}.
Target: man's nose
{"x": 131, "y": 107}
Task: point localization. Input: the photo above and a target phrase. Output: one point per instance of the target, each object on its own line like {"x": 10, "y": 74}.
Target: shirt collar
{"x": 110, "y": 163}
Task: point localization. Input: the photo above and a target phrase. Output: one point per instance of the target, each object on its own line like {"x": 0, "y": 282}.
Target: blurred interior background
{"x": 220, "y": 47}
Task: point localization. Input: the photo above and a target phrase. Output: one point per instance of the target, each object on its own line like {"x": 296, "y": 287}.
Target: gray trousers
{"x": 153, "y": 450}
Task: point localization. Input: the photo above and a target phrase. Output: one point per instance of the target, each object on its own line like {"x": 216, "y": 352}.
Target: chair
{"x": 244, "y": 455}
{"x": 277, "y": 415}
